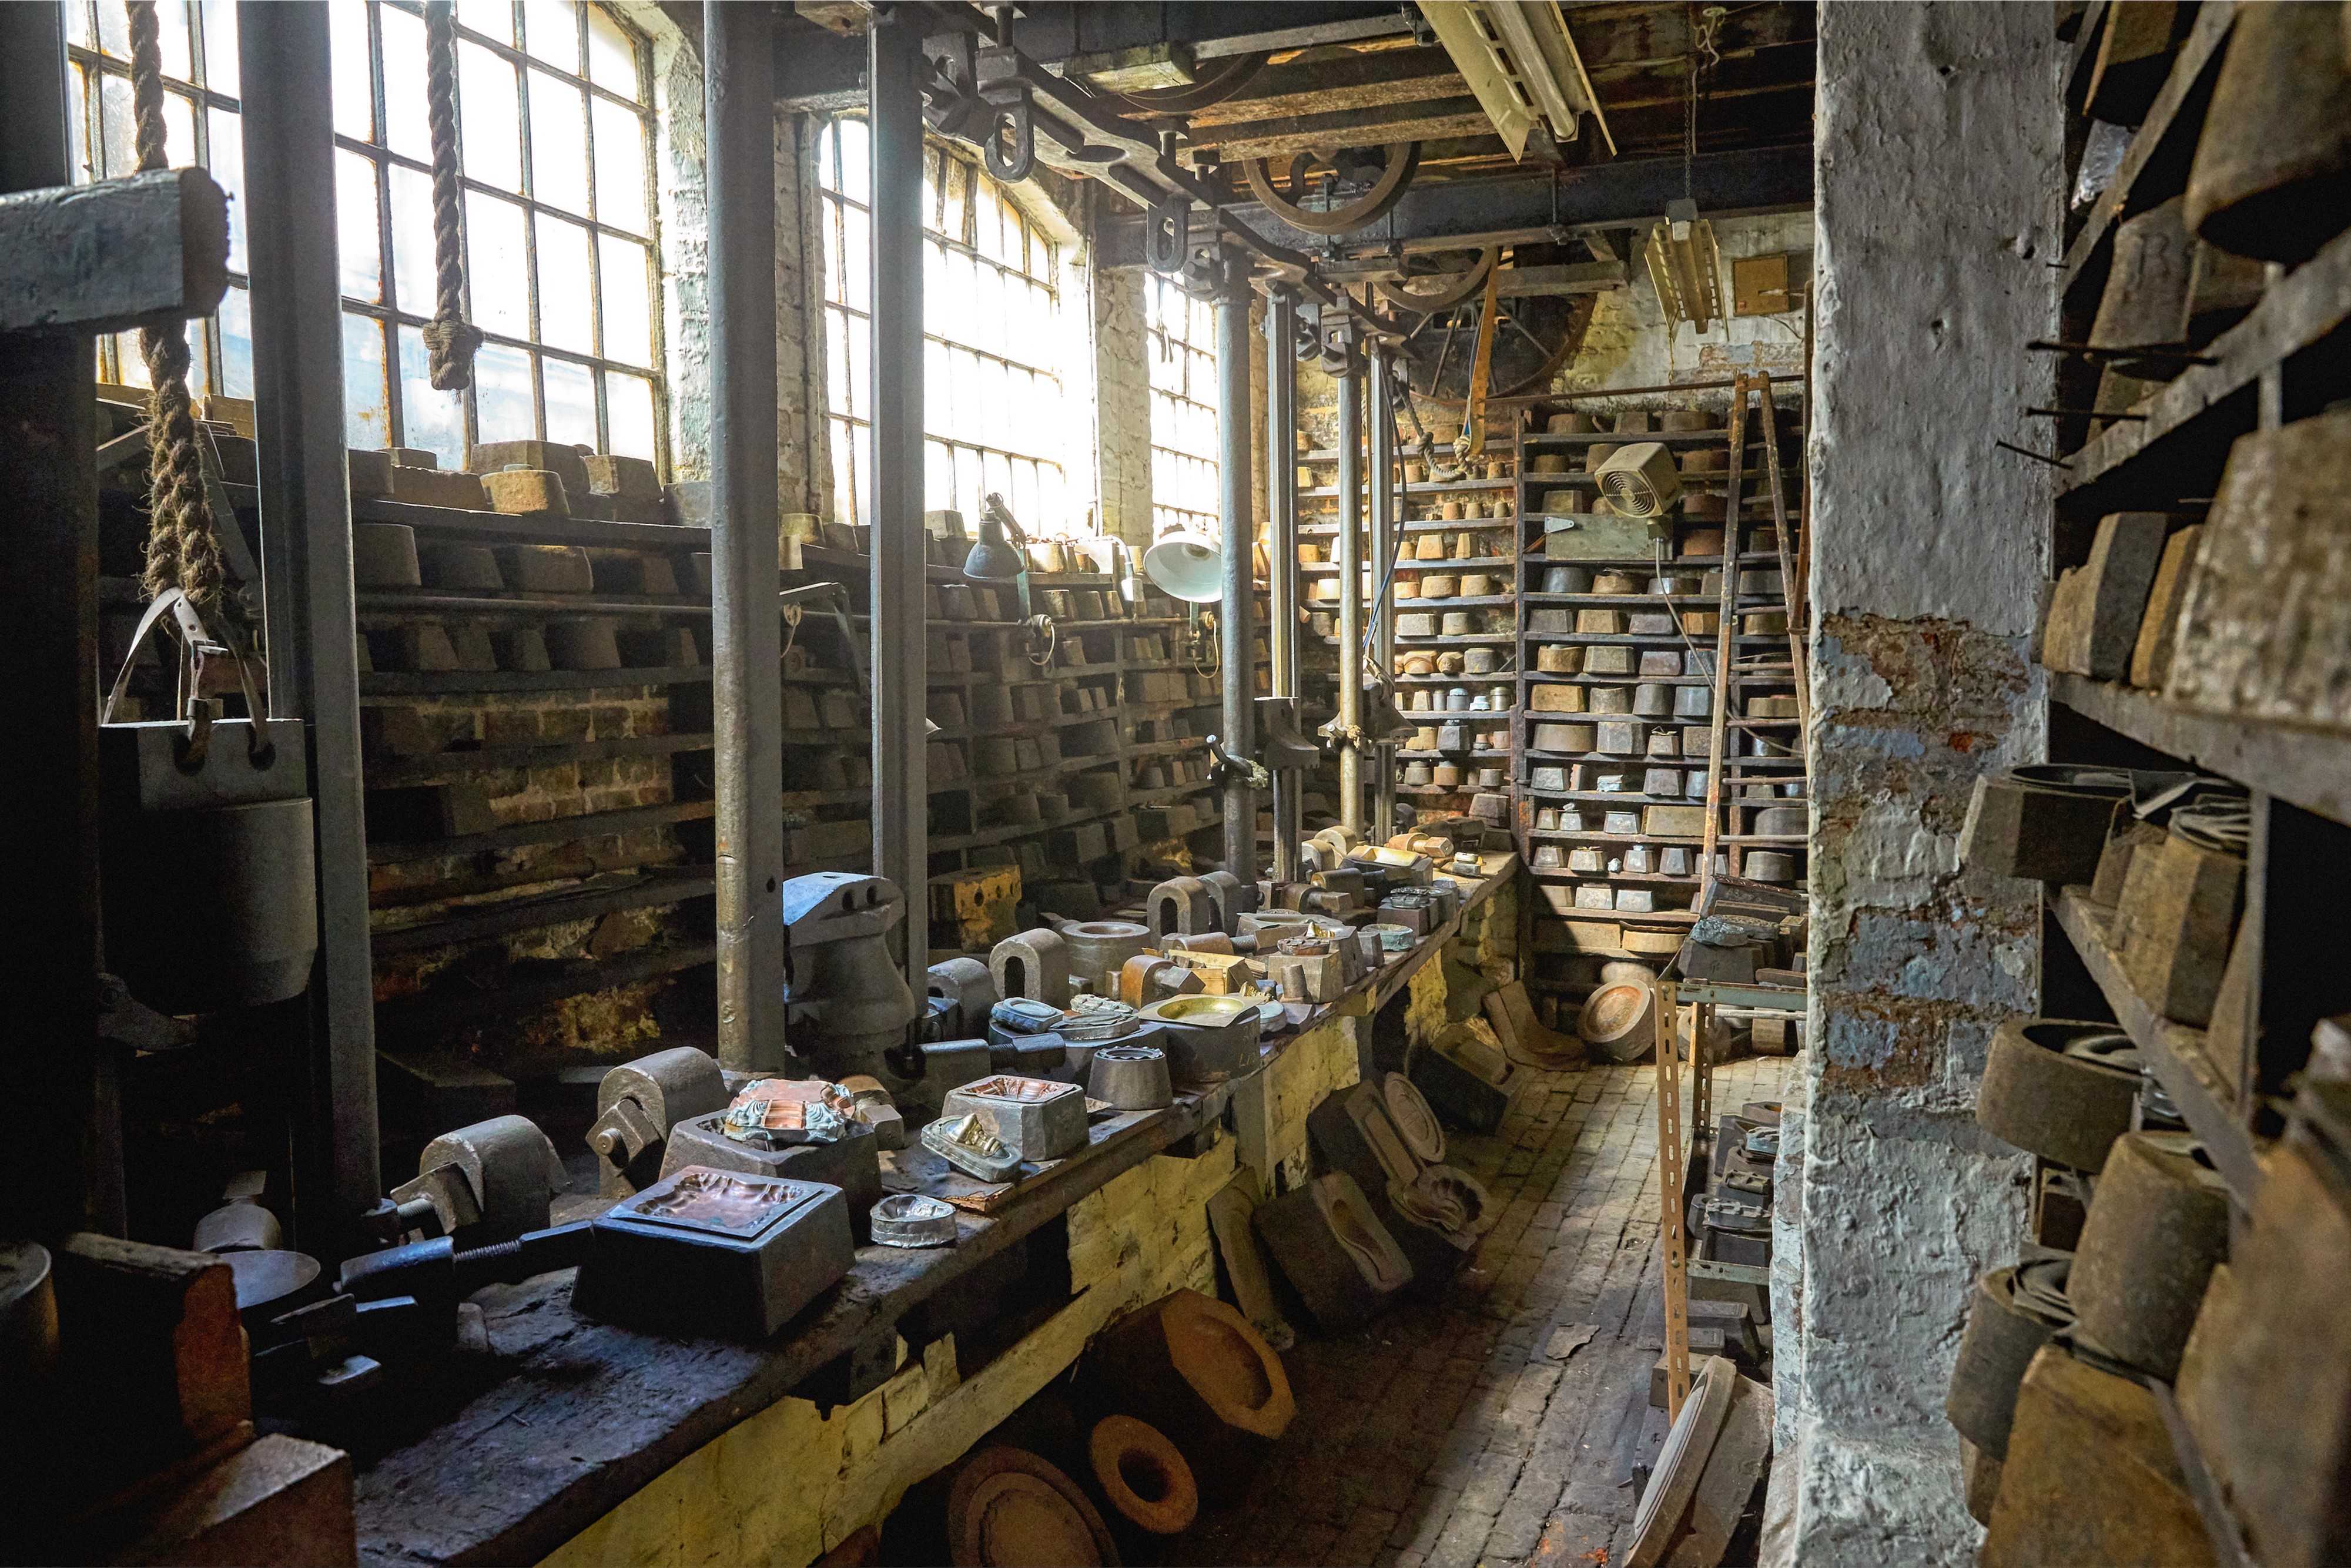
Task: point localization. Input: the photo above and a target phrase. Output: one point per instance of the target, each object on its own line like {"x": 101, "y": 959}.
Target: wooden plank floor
{"x": 1443, "y": 1435}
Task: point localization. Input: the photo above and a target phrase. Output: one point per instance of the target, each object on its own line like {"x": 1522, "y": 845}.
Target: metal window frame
{"x": 391, "y": 319}
{"x": 96, "y": 64}
{"x": 855, "y": 425}
{"x": 1197, "y": 362}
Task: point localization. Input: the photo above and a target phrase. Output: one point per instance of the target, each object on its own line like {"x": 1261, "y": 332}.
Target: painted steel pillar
{"x": 746, "y": 622}
{"x": 62, "y": 1169}
{"x": 1237, "y": 615}
{"x": 1383, "y": 548}
{"x": 1351, "y": 579}
{"x": 1281, "y": 502}
{"x": 894, "y": 54}
{"x": 306, "y": 546}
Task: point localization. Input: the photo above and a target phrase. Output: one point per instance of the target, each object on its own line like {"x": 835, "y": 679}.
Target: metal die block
{"x": 1622, "y": 738}
{"x": 716, "y": 1252}
{"x": 851, "y": 1162}
{"x": 1333, "y": 1250}
{"x": 1036, "y": 1118}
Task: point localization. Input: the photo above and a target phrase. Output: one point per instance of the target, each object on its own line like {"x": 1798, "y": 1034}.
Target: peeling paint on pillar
{"x": 1938, "y": 159}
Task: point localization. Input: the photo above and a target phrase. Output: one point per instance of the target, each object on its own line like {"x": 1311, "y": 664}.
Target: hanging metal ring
{"x": 1012, "y": 119}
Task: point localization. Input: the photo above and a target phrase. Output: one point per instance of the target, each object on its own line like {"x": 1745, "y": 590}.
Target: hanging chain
{"x": 183, "y": 550}
{"x": 449, "y": 340}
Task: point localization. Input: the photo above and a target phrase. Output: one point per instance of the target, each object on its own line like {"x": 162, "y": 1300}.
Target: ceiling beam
{"x": 1554, "y": 206}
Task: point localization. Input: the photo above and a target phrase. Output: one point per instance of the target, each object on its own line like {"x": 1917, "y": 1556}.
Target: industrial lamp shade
{"x": 991, "y": 558}
{"x": 1188, "y": 566}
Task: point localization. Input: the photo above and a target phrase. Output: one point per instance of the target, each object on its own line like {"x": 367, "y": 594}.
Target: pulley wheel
{"x": 1143, "y": 1475}
{"x": 2059, "y": 1088}
{"x": 2014, "y": 1312}
{"x": 1618, "y": 1022}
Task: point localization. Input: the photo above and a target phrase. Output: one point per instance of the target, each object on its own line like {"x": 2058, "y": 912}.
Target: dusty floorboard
{"x": 1443, "y": 1435}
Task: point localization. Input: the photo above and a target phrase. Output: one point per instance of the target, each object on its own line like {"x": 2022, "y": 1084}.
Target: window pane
{"x": 567, "y": 312}
{"x": 612, "y": 55}
{"x": 237, "y": 343}
{"x": 116, "y": 134}
{"x": 619, "y": 167}
{"x": 497, "y": 272}
{"x": 172, "y": 41}
{"x": 130, "y": 365}
{"x": 856, "y": 170}
{"x": 628, "y": 301}
{"x": 491, "y": 18}
{"x": 492, "y": 152}
{"x": 558, "y": 144}
{"x": 77, "y": 24}
{"x": 503, "y": 406}
{"x": 354, "y": 88}
{"x": 408, "y": 127}
{"x": 844, "y": 488}
{"x": 836, "y": 364}
{"x": 366, "y": 414}
{"x": 220, "y": 46}
{"x": 77, "y": 126}
{"x": 411, "y": 240}
{"x": 179, "y": 132}
{"x": 114, "y": 29}
{"x": 629, "y": 409}
{"x": 570, "y": 402}
{"x": 227, "y": 165}
{"x": 433, "y": 420}
{"x": 550, "y": 30}
{"x": 357, "y": 243}
{"x": 857, "y": 262}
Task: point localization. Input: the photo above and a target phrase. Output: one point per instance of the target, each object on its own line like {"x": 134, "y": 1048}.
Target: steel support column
{"x": 1282, "y": 504}
{"x": 306, "y": 547}
{"x": 1238, "y": 613}
{"x": 746, "y": 625}
{"x": 901, "y": 792}
{"x": 63, "y": 1166}
{"x": 1383, "y": 624}
{"x": 1351, "y": 584}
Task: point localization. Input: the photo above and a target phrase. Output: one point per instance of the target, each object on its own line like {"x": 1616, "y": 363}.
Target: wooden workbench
{"x": 582, "y": 1414}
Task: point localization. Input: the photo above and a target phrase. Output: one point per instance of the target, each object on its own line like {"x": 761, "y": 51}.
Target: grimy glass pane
{"x": 358, "y": 248}
{"x": 116, "y": 134}
{"x": 114, "y": 29}
{"x": 503, "y": 407}
{"x": 219, "y": 47}
{"x": 491, "y": 18}
{"x": 78, "y": 113}
{"x": 354, "y": 87}
{"x": 412, "y": 239}
{"x": 367, "y": 411}
{"x": 629, "y": 412}
{"x": 566, "y": 312}
{"x": 845, "y": 489}
{"x": 619, "y": 167}
{"x": 237, "y": 343}
{"x": 408, "y": 127}
{"x": 612, "y": 55}
{"x": 225, "y": 159}
{"x": 489, "y": 145}
{"x": 179, "y": 132}
{"x": 837, "y": 327}
{"x": 172, "y": 42}
{"x": 497, "y": 272}
{"x": 433, "y": 420}
{"x": 628, "y": 301}
{"x": 570, "y": 401}
{"x": 558, "y": 144}
{"x": 550, "y": 30}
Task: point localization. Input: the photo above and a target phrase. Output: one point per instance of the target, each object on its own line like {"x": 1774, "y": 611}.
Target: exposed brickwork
{"x": 1441, "y": 1436}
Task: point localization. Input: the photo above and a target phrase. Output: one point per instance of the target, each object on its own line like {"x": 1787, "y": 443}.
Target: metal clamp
{"x": 1224, "y": 768}
{"x": 1011, "y": 115}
